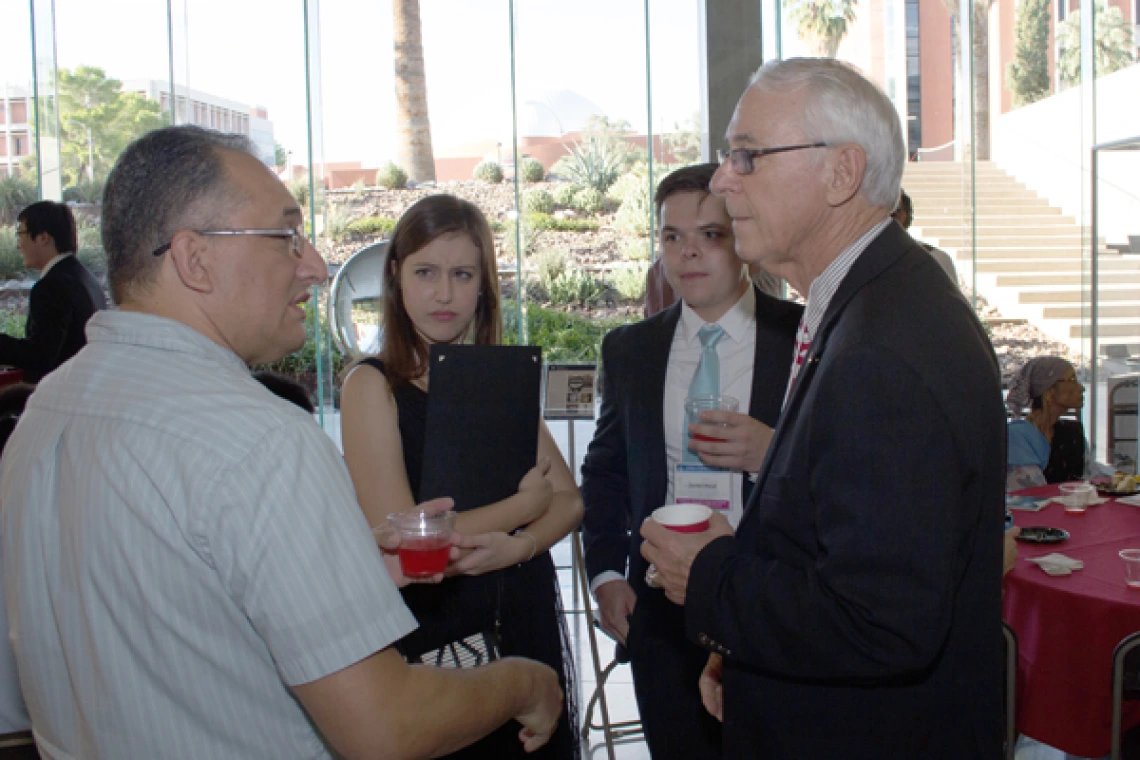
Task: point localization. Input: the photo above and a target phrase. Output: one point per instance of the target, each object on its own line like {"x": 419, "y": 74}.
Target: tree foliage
{"x": 280, "y": 155}
{"x": 97, "y": 121}
{"x": 1112, "y": 43}
{"x": 1028, "y": 72}
{"x": 822, "y": 24}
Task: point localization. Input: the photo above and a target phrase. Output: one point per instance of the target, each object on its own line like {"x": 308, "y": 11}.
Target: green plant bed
{"x": 537, "y": 221}
{"x": 564, "y": 337}
{"x": 371, "y": 225}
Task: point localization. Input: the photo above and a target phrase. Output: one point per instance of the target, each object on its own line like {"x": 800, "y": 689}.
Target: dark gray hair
{"x": 160, "y": 183}
{"x": 845, "y": 107}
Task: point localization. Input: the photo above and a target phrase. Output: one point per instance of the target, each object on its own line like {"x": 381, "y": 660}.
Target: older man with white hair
{"x": 856, "y": 612}
{"x": 186, "y": 570}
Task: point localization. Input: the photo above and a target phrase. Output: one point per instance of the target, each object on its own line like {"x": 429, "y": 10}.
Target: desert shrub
{"x": 537, "y": 221}
{"x": 526, "y": 237}
{"x": 16, "y": 192}
{"x": 626, "y": 185}
{"x": 635, "y": 212}
{"x": 11, "y": 262}
{"x": 564, "y": 194}
{"x": 589, "y": 200}
{"x": 299, "y": 188}
{"x": 531, "y": 170}
{"x": 564, "y": 337}
{"x": 488, "y": 171}
{"x": 629, "y": 280}
{"x": 336, "y": 221}
{"x": 371, "y": 225}
{"x": 575, "y": 287}
{"x": 359, "y": 189}
{"x": 391, "y": 177}
{"x": 635, "y": 249}
{"x": 593, "y": 164}
{"x": 551, "y": 264}
{"x": 538, "y": 201}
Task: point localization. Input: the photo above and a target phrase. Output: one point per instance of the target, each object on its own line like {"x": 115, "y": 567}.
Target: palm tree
{"x": 413, "y": 129}
{"x": 823, "y": 24}
{"x": 981, "y": 55}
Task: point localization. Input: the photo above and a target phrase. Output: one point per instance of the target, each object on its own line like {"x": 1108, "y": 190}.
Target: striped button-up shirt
{"x": 179, "y": 547}
{"x": 822, "y": 290}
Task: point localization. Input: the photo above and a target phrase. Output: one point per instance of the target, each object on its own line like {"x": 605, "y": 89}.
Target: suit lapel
{"x": 652, "y": 389}
{"x": 883, "y": 252}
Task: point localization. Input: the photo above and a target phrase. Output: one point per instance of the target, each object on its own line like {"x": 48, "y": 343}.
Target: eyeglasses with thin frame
{"x": 744, "y": 159}
{"x": 294, "y": 235}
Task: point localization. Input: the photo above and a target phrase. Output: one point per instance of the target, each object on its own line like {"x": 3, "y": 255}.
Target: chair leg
{"x": 599, "y": 674}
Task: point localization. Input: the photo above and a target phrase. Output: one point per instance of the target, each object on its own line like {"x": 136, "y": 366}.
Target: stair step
{"x": 1075, "y": 265}
{"x": 1109, "y": 328}
{"x": 1076, "y": 296}
{"x": 1111, "y": 311}
{"x": 1025, "y": 280}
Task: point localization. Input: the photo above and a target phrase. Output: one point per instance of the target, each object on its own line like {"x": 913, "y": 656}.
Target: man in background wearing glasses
{"x": 856, "y": 611}
{"x": 65, "y": 297}
{"x": 186, "y": 569}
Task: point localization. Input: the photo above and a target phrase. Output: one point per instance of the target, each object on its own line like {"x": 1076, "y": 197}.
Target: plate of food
{"x": 1039, "y": 534}
{"x": 1121, "y": 484}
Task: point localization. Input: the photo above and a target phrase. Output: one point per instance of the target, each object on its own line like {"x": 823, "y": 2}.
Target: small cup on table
{"x": 694, "y": 405}
{"x": 425, "y": 541}
{"x": 1131, "y": 559}
{"x": 1076, "y": 497}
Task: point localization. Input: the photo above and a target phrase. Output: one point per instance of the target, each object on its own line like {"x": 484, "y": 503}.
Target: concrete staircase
{"x": 1030, "y": 260}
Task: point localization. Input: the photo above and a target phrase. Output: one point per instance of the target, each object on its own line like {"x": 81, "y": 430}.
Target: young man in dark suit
{"x": 637, "y": 460}
{"x": 65, "y": 297}
{"x": 855, "y": 611}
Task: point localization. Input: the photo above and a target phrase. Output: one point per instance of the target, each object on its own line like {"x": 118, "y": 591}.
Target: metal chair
{"x": 1125, "y": 681}
{"x": 611, "y": 731}
{"x": 1009, "y": 639}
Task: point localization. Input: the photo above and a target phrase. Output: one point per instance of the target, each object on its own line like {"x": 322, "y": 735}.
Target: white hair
{"x": 843, "y": 106}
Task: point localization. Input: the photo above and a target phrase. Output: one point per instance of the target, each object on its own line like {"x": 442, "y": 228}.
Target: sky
{"x": 253, "y": 51}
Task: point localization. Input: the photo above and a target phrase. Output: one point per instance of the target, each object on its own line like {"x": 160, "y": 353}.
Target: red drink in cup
{"x": 425, "y": 541}
{"x": 694, "y": 405}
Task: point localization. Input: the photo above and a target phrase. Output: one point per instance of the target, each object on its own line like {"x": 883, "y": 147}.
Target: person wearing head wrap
{"x": 1043, "y": 448}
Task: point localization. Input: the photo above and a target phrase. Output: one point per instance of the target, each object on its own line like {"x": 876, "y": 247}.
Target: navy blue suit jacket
{"x": 858, "y": 608}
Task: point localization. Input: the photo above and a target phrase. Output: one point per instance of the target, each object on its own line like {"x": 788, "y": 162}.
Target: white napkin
{"x": 1132, "y": 501}
{"x": 1058, "y": 499}
{"x": 1057, "y": 564}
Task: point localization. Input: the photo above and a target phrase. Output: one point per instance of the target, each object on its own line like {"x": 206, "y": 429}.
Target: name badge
{"x": 700, "y": 484}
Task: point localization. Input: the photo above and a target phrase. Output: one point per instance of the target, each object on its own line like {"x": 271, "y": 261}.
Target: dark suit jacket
{"x": 858, "y": 608}
{"x": 58, "y": 309}
{"x": 624, "y": 473}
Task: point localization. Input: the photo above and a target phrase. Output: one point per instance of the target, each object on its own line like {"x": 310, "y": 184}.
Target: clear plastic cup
{"x": 425, "y": 541}
{"x": 694, "y": 405}
{"x": 1076, "y": 497}
{"x": 1131, "y": 559}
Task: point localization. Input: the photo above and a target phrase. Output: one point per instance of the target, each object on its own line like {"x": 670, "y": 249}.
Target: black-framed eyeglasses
{"x": 744, "y": 159}
{"x": 294, "y": 235}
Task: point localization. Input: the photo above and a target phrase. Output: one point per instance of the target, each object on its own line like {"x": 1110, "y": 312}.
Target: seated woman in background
{"x": 441, "y": 286}
{"x": 1043, "y": 448}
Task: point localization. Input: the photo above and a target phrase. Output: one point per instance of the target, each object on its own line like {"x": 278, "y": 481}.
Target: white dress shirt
{"x": 179, "y": 548}
{"x": 737, "y": 354}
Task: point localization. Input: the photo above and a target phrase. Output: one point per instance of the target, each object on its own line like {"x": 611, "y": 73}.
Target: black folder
{"x": 482, "y": 422}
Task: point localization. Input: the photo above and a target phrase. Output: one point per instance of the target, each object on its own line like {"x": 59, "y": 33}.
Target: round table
{"x": 1068, "y": 626}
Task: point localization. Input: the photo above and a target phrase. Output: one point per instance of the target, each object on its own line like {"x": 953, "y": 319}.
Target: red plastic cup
{"x": 684, "y": 518}
{"x": 425, "y": 541}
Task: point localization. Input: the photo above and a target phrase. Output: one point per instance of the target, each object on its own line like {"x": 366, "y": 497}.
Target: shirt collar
{"x": 823, "y": 287}
{"x": 736, "y": 322}
{"x": 52, "y": 263}
{"x": 132, "y": 328}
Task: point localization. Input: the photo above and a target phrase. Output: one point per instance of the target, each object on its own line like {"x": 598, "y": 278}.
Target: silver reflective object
{"x": 354, "y": 302}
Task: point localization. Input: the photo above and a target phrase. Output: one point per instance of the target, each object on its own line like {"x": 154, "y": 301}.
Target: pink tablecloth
{"x": 1067, "y": 627}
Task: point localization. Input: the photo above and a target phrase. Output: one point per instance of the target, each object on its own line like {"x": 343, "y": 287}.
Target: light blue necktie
{"x": 706, "y": 381}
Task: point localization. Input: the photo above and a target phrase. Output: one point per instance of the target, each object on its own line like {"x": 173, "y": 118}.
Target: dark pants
{"x": 666, "y": 668}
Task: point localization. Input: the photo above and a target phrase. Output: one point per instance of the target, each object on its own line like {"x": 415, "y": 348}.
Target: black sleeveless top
{"x": 524, "y": 600}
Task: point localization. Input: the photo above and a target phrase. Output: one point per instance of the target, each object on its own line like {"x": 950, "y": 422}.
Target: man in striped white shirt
{"x": 186, "y": 571}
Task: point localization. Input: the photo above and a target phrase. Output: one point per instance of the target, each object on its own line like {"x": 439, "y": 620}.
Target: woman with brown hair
{"x": 441, "y": 286}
